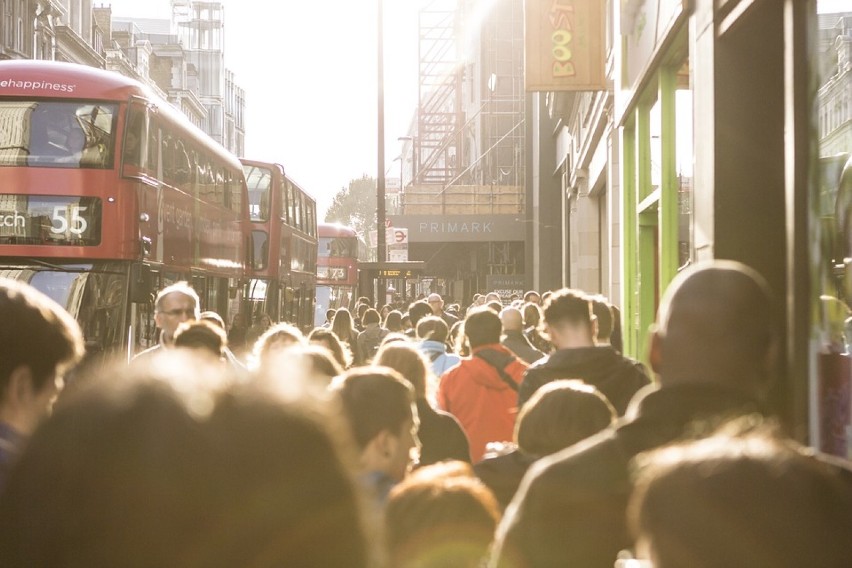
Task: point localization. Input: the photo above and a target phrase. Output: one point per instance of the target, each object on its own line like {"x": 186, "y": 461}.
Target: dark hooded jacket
{"x": 616, "y": 376}
{"x": 571, "y": 507}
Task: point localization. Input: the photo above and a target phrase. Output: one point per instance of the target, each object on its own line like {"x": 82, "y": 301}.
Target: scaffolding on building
{"x": 470, "y": 141}
{"x": 471, "y": 112}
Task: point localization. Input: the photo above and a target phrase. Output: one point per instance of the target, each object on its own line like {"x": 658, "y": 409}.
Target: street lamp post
{"x": 381, "y": 244}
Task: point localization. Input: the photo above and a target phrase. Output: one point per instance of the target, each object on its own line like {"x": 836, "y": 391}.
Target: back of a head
{"x": 746, "y": 500}
{"x": 342, "y": 323}
{"x": 95, "y": 479}
{"x": 560, "y": 414}
{"x": 393, "y": 321}
{"x": 212, "y": 317}
{"x": 361, "y": 310}
{"x": 406, "y": 359}
{"x": 176, "y": 435}
{"x": 441, "y": 519}
{"x": 568, "y": 306}
{"x": 531, "y": 296}
{"x": 278, "y": 473}
{"x": 495, "y": 306}
{"x": 604, "y": 317}
{"x": 432, "y": 328}
{"x": 512, "y": 319}
{"x": 329, "y": 340}
{"x": 417, "y": 311}
{"x": 203, "y": 335}
{"x": 532, "y": 314}
{"x": 374, "y": 399}
{"x": 279, "y": 336}
{"x": 370, "y": 316}
{"x": 715, "y": 324}
{"x": 482, "y": 327}
{"x": 37, "y": 333}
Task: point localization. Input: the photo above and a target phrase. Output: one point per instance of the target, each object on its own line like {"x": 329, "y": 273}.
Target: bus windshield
{"x": 338, "y": 247}
{"x": 93, "y": 293}
{"x": 57, "y": 134}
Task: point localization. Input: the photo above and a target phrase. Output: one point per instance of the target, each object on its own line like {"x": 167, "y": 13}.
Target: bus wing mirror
{"x": 141, "y": 284}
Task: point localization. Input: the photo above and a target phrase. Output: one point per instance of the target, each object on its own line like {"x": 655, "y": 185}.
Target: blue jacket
{"x": 437, "y": 354}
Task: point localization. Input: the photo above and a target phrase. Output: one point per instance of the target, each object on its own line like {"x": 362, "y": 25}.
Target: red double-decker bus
{"x": 339, "y": 250}
{"x": 108, "y": 193}
{"x": 284, "y": 237}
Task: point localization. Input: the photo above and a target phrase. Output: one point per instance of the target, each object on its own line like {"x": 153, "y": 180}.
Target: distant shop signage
{"x": 506, "y": 285}
{"x": 564, "y": 45}
{"x": 460, "y": 228}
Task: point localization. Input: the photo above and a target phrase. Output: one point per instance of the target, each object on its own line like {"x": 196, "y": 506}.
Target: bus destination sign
{"x": 50, "y": 220}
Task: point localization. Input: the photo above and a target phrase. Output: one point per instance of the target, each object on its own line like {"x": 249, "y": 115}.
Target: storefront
{"x": 719, "y": 114}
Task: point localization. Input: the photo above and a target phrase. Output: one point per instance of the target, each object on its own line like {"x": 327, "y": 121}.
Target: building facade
{"x": 704, "y": 143}
{"x": 463, "y": 198}
{"x": 181, "y": 58}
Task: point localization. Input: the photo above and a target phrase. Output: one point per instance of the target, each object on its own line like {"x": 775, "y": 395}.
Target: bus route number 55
{"x": 69, "y": 220}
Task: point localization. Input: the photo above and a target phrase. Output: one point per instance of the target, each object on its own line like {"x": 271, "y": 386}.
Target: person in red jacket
{"x": 482, "y": 390}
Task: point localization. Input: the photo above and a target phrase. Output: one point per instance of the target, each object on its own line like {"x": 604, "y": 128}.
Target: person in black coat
{"x": 713, "y": 353}
{"x": 441, "y": 436}
{"x": 559, "y": 414}
{"x": 570, "y": 325}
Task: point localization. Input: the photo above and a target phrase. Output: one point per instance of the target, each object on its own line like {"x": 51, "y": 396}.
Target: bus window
{"x": 259, "y": 181}
{"x": 260, "y": 243}
{"x": 134, "y": 133}
{"x": 291, "y": 200}
{"x": 297, "y": 208}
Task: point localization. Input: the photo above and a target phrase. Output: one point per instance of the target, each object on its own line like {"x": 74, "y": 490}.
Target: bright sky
{"x": 309, "y": 72}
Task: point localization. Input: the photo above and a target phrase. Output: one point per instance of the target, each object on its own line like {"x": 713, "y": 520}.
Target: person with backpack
{"x": 482, "y": 390}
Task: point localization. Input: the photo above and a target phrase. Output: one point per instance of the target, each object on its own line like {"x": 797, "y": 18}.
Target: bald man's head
{"x": 715, "y": 325}
{"x": 512, "y": 319}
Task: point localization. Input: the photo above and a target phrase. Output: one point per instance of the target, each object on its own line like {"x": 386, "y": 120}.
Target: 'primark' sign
{"x": 460, "y": 228}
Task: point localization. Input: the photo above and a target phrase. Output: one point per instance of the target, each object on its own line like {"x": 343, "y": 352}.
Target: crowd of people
{"x": 508, "y": 434}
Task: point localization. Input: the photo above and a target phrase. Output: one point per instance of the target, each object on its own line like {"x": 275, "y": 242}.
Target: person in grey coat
{"x": 513, "y": 336}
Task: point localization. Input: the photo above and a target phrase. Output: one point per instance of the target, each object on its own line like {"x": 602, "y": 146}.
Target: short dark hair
{"x": 683, "y": 490}
{"x": 432, "y": 328}
{"x": 482, "y": 327}
{"x": 418, "y": 310}
{"x": 560, "y": 414}
{"x": 374, "y": 399}
{"x": 529, "y": 294}
{"x": 370, "y": 316}
{"x": 568, "y": 306}
{"x": 532, "y": 314}
{"x": 603, "y": 313}
{"x": 393, "y": 321}
{"x": 36, "y": 332}
{"x": 202, "y": 334}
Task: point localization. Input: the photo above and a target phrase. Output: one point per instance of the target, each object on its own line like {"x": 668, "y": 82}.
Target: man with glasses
{"x": 437, "y": 304}
{"x": 174, "y": 305}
